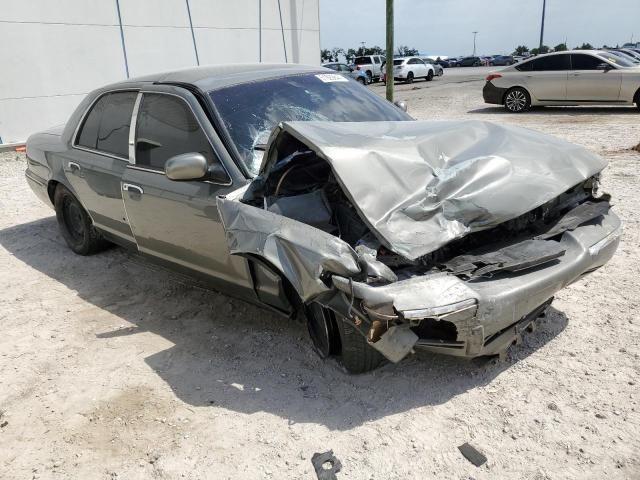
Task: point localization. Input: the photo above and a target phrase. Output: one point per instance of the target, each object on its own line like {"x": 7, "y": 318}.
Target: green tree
{"x": 521, "y": 50}
{"x": 335, "y": 53}
{"x": 325, "y": 55}
{"x": 538, "y": 51}
{"x": 351, "y": 55}
{"x": 561, "y": 47}
{"x": 405, "y": 51}
{"x": 585, "y": 46}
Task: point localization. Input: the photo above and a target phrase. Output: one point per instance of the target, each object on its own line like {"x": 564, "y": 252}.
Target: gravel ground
{"x": 111, "y": 368}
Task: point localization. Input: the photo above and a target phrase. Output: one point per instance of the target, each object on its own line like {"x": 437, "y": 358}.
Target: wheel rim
{"x": 516, "y": 100}
{"x": 73, "y": 219}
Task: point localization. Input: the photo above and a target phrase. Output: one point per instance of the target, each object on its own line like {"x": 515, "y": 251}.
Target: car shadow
{"x": 237, "y": 356}
{"x": 575, "y": 110}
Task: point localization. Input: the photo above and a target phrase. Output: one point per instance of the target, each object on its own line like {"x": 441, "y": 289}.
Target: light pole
{"x": 544, "y": 5}
{"x": 389, "y": 52}
{"x": 474, "y": 43}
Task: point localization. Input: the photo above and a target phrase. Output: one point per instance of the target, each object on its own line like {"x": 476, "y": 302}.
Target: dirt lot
{"x": 111, "y": 368}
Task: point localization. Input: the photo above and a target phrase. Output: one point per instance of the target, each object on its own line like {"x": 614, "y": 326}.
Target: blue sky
{"x": 443, "y": 27}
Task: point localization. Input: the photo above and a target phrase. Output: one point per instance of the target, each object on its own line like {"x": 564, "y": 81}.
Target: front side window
{"x": 167, "y": 127}
{"x": 376, "y": 59}
{"x": 333, "y": 66}
{"x": 106, "y": 127}
{"x": 581, "y": 61}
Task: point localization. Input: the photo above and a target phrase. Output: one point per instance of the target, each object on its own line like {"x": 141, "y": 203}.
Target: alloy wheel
{"x": 516, "y": 101}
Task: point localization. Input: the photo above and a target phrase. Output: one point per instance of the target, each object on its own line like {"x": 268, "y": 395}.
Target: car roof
{"x": 212, "y": 77}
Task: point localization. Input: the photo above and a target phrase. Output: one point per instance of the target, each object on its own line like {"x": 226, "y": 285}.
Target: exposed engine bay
{"x": 302, "y": 186}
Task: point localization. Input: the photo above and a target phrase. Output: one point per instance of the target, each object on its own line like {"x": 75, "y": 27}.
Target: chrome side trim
{"x": 132, "y": 129}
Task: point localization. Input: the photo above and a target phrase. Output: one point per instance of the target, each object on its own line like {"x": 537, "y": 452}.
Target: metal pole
{"x": 260, "y": 31}
{"x": 284, "y": 44}
{"x": 124, "y": 47}
{"x": 389, "y": 52}
{"x": 544, "y": 5}
{"x": 474, "y": 43}
{"x": 193, "y": 36}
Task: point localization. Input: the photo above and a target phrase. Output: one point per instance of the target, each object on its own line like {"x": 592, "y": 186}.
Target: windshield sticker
{"x": 331, "y": 77}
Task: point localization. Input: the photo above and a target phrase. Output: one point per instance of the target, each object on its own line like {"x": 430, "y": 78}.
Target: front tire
{"x": 429, "y": 76}
{"x": 636, "y": 99}
{"x": 409, "y": 77}
{"x": 332, "y": 335}
{"x": 356, "y": 354}
{"x": 517, "y": 100}
{"x": 75, "y": 224}
{"x": 361, "y": 80}
{"x": 370, "y": 76}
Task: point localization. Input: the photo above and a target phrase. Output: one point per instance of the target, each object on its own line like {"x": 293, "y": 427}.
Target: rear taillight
{"x": 493, "y": 76}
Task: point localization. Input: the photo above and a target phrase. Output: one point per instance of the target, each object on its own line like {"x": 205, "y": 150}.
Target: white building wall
{"x": 52, "y": 53}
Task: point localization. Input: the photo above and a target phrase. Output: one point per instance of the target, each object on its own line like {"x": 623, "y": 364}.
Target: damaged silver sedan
{"x": 302, "y": 191}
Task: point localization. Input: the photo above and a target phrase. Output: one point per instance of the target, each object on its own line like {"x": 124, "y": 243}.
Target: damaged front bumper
{"x": 445, "y": 314}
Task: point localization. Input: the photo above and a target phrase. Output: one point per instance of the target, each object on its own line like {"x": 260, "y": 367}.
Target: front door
{"x": 589, "y": 82}
{"x": 178, "y": 221}
{"x": 97, "y": 161}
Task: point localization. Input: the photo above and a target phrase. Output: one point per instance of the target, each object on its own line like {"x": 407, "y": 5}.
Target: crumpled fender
{"x": 303, "y": 254}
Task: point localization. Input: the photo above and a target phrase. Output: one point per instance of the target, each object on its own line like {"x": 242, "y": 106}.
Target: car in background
{"x": 575, "y": 77}
{"x": 501, "y": 60}
{"x": 626, "y": 53}
{"x": 371, "y": 65}
{"x": 407, "y": 69}
{"x": 470, "y": 62}
{"x": 347, "y": 71}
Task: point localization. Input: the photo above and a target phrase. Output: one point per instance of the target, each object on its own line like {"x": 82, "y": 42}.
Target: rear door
{"x": 178, "y": 221}
{"x": 589, "y": 82}
{"x": 99, "y": 158}
{"x": 546, "y": 77}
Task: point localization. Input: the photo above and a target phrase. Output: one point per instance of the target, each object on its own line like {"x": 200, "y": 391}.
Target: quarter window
{"x": 580, "y": 61}
{"x": 106, "y": 127}
{"x": 167, "y": 127}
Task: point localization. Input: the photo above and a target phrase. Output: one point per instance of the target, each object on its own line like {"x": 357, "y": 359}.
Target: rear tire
{"x": 370, "y": 75}
{"x": 75, "y": 224}
{"x": 517, "y": 100}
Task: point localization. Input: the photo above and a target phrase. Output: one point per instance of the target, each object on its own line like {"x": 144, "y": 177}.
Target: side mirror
{"x": 605, "y": 66}
{"x": 401, "y": 104}
{"x": 187, "y": 166}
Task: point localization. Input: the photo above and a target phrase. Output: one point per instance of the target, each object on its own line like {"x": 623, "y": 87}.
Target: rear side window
{"x": 550, "y": 63}
{"x": 106, "y": 127}
{"x": 362, "y": 60}
{"x": 580, "y": 61}
{"x": 167, "y": 127}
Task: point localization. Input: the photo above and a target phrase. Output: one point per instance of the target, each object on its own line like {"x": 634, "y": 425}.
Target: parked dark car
{"x": 297, "y": 189}
{"x": 502, "y": 60}
{"x": 470, "y": 62}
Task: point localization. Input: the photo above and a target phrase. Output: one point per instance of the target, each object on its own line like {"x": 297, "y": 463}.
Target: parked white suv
{"x": 370, "y": 64}
{"x": 407, "y": 69}
{"x": 575, "y": 77}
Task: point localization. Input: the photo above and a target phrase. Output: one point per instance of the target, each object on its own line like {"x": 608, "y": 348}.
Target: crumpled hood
{"x": 419, "y": 185}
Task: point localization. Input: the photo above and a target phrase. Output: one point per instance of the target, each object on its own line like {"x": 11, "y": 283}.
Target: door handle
{"x": 127, "y": 187}
{"x": 74, "y": 167}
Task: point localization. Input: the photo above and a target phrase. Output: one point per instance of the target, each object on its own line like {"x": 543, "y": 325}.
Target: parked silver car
{"x": 377, "y": 230}
{"x": 576, "y": 77}
{"x": 343, "y": 69}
